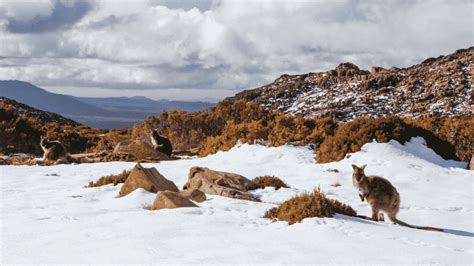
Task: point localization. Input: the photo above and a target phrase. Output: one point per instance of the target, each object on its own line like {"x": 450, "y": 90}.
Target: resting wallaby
{"x": 381, "y": 195}
{"x": 55, "y": 151}
{"x": 160, "y": 143}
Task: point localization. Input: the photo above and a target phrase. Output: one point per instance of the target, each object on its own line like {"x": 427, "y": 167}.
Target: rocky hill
{"x": 437, "y": 86}
{"x": 12, "y": 109}
{"x": 21, "y": 127}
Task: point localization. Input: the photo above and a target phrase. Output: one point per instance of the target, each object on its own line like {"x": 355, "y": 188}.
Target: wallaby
{"x": 160, "y": 143}
{"x": 55, "y": 151}
{"x": 381, "y": 195}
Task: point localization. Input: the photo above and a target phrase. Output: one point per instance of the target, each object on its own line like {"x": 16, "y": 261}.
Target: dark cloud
{"x": 107, "y": 22}
{"x": 202, "y": 5}
{"x": 63, "y": 16}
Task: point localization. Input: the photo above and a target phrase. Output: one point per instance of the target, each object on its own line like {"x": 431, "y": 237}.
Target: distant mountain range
{"x": 114, "y": 112}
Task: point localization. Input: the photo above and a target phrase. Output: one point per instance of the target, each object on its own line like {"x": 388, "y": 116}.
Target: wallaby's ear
{"x": 354, "y": 166}
{"x": 363, "y": 166}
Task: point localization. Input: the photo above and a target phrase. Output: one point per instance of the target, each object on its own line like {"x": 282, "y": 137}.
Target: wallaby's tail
{"x": 395, "y": 220}
{"x": 70, "y": 159}
{"x": 78, "y": 159}
{"x": 84, "y": 160}
{"x": 364, "y": 217}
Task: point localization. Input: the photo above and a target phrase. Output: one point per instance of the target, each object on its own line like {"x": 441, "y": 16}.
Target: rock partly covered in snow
{"x": 219, "y": 183}
{"x": 193, "y": 194}
{"x": 147, "y": 178}
{"x": 170, "y": 200}
{"x": 140, "y": 150}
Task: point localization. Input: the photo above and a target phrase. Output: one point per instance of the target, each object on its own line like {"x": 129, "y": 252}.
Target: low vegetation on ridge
{"x": 223, "y": 126}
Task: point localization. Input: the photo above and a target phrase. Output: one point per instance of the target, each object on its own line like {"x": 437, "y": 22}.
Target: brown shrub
{"x": 221, "y": 127}
{"x": 447, "y": 136}
{"x": 189, "y": 130}
{"x": 350, "y": 137}
{"x": 267, "y": 181}
{"x": 76, "y": 139}
{"x": 314, "y": 204}
{"x": 110, "y": 179}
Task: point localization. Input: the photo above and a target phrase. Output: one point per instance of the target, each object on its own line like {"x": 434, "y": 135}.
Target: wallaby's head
{"x": 358, "y": 173}
{"x": 155, "y": 133}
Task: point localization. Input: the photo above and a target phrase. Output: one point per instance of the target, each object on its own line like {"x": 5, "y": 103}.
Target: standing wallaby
{"x": 160, "y": 143}
{"x": 381, "y": 195}
{"x": 55, "y": 151}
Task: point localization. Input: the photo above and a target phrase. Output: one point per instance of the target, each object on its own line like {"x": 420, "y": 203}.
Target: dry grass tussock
{"x": 314, "y": 204}
{"x": 110, "y": 179}
{"x": 267, "y": 181}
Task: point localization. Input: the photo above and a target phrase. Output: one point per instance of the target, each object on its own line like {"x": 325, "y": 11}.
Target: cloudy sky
{"x": 209, "y": 49}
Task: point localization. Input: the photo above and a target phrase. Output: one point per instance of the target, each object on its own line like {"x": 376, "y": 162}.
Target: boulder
{"x": 4, "y": 160}
{"x": 219, "y": 183}
{"x": 147, "y": 178}
{"x": 194, "y": 195}
{"x": 170, "y": 200}
{"x": 347, "y": 70}
{"x": 139, "y": 150}
{"x": 375, "y": 70}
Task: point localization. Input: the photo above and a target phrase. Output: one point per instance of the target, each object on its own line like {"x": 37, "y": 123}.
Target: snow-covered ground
{"x": 54, "y": 219}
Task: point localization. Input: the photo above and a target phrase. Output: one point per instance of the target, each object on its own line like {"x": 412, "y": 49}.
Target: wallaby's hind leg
{"x": 392, "y": 218}
{"x": 381, "y": 218}
{"x": 375, "y": 214}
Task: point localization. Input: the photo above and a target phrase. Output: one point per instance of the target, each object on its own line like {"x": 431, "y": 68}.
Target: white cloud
{"x": 224, "y": 45}
{"x": 26, "y": 10}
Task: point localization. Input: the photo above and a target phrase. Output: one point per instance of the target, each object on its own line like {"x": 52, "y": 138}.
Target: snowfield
{"x": 55, "y": 219}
